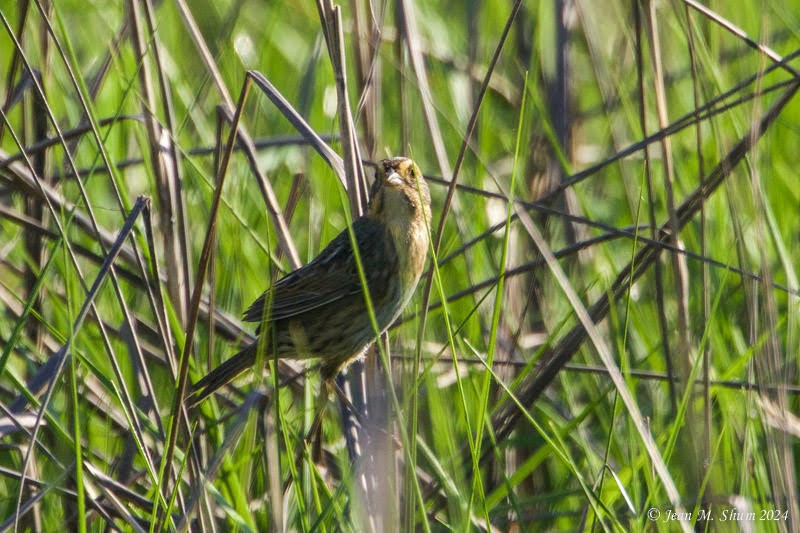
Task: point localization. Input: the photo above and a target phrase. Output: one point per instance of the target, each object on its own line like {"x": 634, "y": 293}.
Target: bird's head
{"x": 399, "y": 193}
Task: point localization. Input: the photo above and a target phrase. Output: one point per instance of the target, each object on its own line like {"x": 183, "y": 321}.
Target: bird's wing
{"x": 330, "y": 277}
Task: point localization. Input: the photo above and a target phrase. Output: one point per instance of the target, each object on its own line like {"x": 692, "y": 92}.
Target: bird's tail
{"x": 221, "y": 375}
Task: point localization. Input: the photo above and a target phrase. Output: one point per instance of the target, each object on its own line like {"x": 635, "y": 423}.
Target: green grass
{"x": 565, "y": 364}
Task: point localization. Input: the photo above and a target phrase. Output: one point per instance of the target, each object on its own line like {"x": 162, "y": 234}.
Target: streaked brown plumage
{"x": 320, "y": 310}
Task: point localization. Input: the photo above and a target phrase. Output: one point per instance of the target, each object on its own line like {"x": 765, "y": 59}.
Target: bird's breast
{"x": 411, "y": 243}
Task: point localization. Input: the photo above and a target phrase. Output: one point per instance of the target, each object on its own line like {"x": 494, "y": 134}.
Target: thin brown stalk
{"x": 178, "y": 408}
{"x": 679, "y": 268}
{"x": 412, "y": 41}
{"x": 663, "y": 324}
{"x": 331, "y": 16}
{"x": 164, "y": 158}
{"x": 705, "y": 271}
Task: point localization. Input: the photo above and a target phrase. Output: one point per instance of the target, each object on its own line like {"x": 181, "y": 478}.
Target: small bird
{"x": 320, "y": 310}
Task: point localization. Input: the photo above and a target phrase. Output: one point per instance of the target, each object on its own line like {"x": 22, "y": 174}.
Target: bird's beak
{"x": 394, "y": 179}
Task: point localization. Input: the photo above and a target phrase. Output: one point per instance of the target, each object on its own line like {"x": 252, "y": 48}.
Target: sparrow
{"x": 320, "y": 310}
